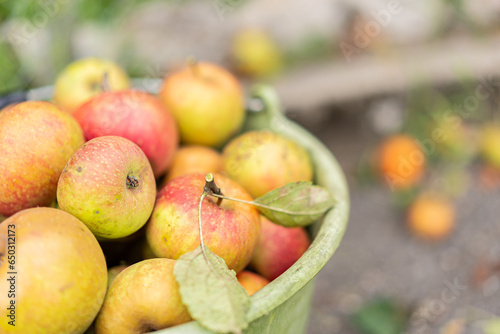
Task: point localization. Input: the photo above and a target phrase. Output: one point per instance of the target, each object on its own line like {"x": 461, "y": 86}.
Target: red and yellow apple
{"x": 279, "y": 247}
{"x": 262, "y": 160}
{"x": 207, "y": 102}
{"x": 142, "y": 298}
{"x": 85, "y": 78}
{"x": 137, "y": 116}
{"x": 36, "y": 139}
{"x": 109, "y": 185}
{"x": 230, "y": 229}
{"x": 251, "y": 282}
{"x": 61, "y": 274}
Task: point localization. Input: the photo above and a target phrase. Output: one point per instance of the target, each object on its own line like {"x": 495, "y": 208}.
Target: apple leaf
{"x": 211, "y": 292}
{"x": 296, "y": 204}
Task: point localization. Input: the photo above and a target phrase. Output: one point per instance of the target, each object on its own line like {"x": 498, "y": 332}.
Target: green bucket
{"x": 282, "y": 307}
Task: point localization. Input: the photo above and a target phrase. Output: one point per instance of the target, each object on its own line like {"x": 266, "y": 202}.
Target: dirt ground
{"x": 379, "y": 257}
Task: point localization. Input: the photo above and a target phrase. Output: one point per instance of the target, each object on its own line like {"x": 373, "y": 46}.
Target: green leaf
{"x": 491, "y": 326}
{"x": 211, "y": 292}
{"x": 296, "y": 204}
{"x": 380, "y": 316}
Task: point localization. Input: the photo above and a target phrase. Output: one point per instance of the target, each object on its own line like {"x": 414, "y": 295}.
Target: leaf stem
{"x": 201, "y": 230}
{"x": 296, "y": 213}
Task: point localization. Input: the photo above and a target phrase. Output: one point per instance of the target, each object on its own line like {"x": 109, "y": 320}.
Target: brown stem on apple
{"x": 132, "y": 182}
{"x": 105, "y": 87}
{"x": 211, "y": 188}
{"x": 193, "y": 66}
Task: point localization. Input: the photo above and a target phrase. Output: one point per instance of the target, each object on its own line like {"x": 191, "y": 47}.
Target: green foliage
{"x": 311, "y": 48}
{"x": 380, "y": 316}
{"x": 10, "y": 74}
{"x": 296, "y": 204}
{"x": 211, "y": 292}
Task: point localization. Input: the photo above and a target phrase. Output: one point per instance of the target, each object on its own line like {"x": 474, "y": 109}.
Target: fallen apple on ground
{"x": 401, "y": 161}
{"x": 109, "y": 185}
{"x": 431, "y": 217}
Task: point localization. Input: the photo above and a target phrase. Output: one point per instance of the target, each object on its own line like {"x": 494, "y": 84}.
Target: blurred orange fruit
{"x": 401, "y": 161}
{"x": 194, "y": 159}
{"x": 431, "y": 217}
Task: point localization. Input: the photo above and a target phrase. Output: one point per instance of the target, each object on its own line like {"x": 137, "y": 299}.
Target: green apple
{"x": 142, "y": 298}
{"x": 207, "y": 101}
{"x": 85, "y": 78}
{"x": 230, "y": 229}
{"x": 278, "y": 248}
{"x": 109, "y": 185}
{"x": 36, "y": 140}
{"x": 262, "y": 160}
{"x": 52, "y": 273}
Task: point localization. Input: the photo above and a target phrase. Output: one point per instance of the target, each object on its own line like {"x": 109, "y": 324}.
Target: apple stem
{"x": 212, "y": 188}
{"x": 202, "y": 244}
{"x": 193, "y": 66}
{"x": 132, "y": 182}
{"x": 199, "y": 225}
{"x": 105, "y": 82}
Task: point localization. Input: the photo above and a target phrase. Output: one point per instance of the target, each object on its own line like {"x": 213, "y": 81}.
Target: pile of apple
{"x": 103, "y": 164}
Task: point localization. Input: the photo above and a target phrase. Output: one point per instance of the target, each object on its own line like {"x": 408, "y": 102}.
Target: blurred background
{"x": 370, "y": 79}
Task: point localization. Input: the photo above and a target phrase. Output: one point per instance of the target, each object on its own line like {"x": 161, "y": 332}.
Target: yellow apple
{"x": 207, "y": 101}
{"x": 142, "y": 298}
{"x": 85, "y": 78}
{"x": 53, "y": 273}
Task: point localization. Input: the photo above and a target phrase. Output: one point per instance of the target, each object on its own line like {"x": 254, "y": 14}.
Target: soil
{"x": 436, "y": 281}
